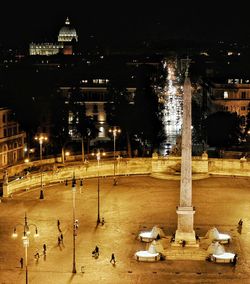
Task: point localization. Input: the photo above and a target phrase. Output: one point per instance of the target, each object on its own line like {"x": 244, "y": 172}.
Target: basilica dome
{"x": 67, "y": 33}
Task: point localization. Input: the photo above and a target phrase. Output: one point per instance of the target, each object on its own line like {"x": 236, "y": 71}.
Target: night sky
{"x": 108, "y": 21}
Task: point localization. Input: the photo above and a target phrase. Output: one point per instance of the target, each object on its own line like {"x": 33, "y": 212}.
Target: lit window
{"x": 225, "y": 95}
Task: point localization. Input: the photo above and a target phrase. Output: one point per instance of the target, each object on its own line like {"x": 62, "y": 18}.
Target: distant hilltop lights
{"x": 67, "y": 36}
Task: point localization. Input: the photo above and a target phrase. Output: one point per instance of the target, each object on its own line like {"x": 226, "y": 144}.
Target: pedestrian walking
{"x": 44, "y": 249}
{"x": 112, "y": 260}
{"x": 37, "y": 254}
{"x": 95, "y": 252}
{"x": 61, "y": 238}
{"x": 21, "y": 262}
{"x": 235, "y": 259}
{"x": 239, "y": 228}
{"x": 58, "y": 223}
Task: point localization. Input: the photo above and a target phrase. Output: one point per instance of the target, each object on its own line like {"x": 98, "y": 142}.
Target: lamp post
{"x": 114, "y": 130}
{"x": 98, "y": 157}
{"x": 26, "y": 233}
{"x": 74, "y": 223}
{"x": 41, "y": 138}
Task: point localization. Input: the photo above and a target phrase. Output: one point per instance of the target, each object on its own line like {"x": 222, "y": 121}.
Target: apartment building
{"x": 12, "y": 139}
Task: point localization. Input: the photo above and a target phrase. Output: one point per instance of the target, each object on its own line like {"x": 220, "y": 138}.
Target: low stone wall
{"x": 172, "y": 165}
{"x": 134, "y": 166}
{"x": 239, "y": 167}
{"x": 80, "y": 171}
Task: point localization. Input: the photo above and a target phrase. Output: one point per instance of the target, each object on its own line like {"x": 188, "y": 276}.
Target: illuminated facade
{"x": 232, "y": 96}
{"x": 67, "y": 33}
{"x": 45, "y": 48}
{"x": 12, "y": 139}
{"x": 66, "y": 38}
{"x": 94, "y": 95}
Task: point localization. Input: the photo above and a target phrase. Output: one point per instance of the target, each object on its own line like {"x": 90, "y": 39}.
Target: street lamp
{"x": 26, "y": 233}
{"x": 41, "y": 138}
{"x": 98, "y": 157}
{"x": 114, "y": 130}
{"x": 74, "y": 223}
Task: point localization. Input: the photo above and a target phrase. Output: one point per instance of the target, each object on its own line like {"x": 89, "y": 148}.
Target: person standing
{"x": 240, "y": 223}
{"x": 235, "y": 259}
{"x": 37, "y": 254}
{"x": 21, "y": 262}
{"x": 44, "y": 249}
{"x": 112, "y": 260}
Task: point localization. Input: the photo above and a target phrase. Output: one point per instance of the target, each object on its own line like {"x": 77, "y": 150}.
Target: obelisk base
{"x": 185, "y": 235}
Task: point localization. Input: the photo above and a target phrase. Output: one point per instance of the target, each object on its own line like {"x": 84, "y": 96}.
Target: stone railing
{"x": 135, "y": 166}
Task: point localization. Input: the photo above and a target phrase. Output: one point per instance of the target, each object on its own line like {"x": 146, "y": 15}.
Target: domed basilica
{"x": 67, "y": 37}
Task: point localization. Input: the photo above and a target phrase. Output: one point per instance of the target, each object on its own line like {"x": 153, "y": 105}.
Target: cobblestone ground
{"x": 136, "y": 203}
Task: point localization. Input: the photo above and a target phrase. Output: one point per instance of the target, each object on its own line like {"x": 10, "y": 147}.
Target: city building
{"x": 231, "y": 95}
{"x": 67, "y": 37}
{"x": 12, "y": 139}
{"x": 94, "y": 94}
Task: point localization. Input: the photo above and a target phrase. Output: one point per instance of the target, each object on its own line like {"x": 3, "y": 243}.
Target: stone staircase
{"x": 180, "y": 253}
{"x": 183, "y": 253}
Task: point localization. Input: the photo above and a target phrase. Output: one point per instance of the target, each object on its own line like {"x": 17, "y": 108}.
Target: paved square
{"x": 136, "y": 203}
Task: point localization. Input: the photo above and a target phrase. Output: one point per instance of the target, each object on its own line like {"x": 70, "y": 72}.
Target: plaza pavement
{"x": 136, "y": 203}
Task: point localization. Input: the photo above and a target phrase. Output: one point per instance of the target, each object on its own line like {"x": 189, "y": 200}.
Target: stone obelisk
{"x": 185, "y": 210}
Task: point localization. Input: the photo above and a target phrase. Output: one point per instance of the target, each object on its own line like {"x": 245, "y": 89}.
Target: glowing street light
{"x": 41, "y": 138}
{"x": 114, "y": 130}
{"x": 98, "y": 157}
{"x": 26, "y": 233}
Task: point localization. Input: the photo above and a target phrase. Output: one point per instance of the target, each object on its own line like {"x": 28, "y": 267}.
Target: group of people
{"x": 60, "y": 237}
{"x": 37, "y": 255}
{"x": 95, "y": 253}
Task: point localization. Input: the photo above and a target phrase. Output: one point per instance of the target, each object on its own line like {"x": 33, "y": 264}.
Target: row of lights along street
{"x": 26, "y": 232}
